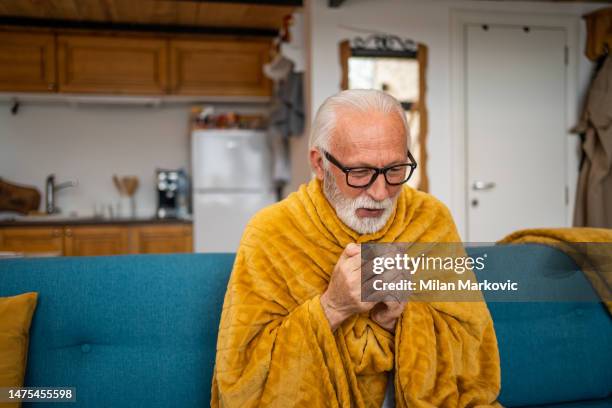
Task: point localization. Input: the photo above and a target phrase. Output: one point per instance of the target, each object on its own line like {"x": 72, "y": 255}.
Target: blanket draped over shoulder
{"x": 581, "y": 244}
{"x": 275, "y": 346}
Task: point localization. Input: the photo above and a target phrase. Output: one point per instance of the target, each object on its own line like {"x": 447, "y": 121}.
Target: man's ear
{"x": 316, "y": 163}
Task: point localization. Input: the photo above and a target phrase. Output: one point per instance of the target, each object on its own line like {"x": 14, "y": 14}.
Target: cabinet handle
{"x": 56, "y": 233}
{"x": 51, "y": 86}
{"x": 68, "y": 232}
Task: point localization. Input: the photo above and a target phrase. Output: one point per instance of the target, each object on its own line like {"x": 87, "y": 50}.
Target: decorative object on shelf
{"x": 127, "y": 186}
{"x": 398, "y": 67}
{"x": 205, "y": 117}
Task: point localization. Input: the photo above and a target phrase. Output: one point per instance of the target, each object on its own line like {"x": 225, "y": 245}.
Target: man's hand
{"x": 387, "y": 313}
{"x": 342, "y": 299}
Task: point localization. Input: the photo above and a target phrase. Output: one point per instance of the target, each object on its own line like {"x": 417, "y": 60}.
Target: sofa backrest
{"x": 133, "y": 330}
{"x": 141, "y": 330}
{"x": 550, "y": 352}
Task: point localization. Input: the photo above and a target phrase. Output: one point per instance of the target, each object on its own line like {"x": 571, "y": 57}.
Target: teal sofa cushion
{"x": 126, "y": 331}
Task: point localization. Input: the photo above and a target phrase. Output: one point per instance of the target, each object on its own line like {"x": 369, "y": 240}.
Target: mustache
{"x": 361, "y": 201}
{"x": 371, "y": 204}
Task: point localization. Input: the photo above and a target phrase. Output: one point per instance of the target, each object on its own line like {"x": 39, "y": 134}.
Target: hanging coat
{"x": 594, "y": 190}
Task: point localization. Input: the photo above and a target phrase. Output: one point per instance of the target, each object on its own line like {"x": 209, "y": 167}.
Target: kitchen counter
{"x": 25, "y": 221}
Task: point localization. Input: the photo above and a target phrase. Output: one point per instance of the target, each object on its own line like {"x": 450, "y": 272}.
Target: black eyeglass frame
{"x": 377, "y": 170}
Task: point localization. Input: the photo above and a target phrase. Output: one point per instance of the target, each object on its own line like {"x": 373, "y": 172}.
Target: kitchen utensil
{"x": 18, "y": 198}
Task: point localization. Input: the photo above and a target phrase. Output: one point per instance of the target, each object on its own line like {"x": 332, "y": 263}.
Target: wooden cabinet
{"x": 27, "y": 62}
{"x": 132, "y": 65}
{"x": 215, "y": 67}
{"x": 91, "y": 240}
{"x": 33, "y": 239}
{"x": 94, "y": 64}
{"x": 95, "y": 240}
{"x": 157, "y": 239}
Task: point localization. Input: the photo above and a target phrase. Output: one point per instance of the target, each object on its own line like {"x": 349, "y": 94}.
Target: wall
{"x": 90, "y": 144}
{"x": 426, "y": 21}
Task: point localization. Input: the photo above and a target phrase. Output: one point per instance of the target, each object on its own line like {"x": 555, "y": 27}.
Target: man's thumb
{"x": 349, "y": 251}
{"x": 352, "y": 249}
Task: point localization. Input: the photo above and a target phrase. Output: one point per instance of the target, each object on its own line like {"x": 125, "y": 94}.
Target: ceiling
{"x": 262, "y": 15}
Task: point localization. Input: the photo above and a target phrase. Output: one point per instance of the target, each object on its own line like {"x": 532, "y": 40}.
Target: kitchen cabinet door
{"x": 157, "y": 239}
{"x": 112, "y": 65}
{"x": 32, "y": 240}
{"x": 219, "y": 67}
{"x": 27, "y": 62}
{"x": 95, "y": 240}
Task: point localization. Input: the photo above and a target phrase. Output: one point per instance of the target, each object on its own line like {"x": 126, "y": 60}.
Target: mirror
{"x": 396, "y": 66}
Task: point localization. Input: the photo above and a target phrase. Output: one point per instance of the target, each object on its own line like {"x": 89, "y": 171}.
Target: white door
{"x": 515, "y": 127}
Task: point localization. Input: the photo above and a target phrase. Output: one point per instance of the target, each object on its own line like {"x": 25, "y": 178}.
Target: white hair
{"x": 359, "y": 100}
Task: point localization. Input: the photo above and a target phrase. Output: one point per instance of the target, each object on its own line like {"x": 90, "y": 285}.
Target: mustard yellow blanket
{"x": 595, "y": 263}
{"x": 275, "y": 346}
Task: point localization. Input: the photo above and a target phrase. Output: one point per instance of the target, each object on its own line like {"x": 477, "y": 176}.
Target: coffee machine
{"x": 172, "y": 193}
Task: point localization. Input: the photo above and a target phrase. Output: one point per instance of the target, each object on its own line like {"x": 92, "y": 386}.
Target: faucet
{"x": 50, "y": 189}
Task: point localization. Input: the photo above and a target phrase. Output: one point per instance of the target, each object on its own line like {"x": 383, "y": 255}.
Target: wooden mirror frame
{"x": 420, "y": 54}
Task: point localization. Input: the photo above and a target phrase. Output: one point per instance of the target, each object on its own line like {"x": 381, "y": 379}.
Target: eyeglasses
{"x": 364, "y": 177}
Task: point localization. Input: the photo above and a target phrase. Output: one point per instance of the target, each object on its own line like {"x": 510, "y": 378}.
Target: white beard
{"x": 346, "y": 207}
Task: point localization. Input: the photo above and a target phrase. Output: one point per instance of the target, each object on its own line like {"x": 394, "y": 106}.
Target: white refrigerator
{"x": 232, "y": 180}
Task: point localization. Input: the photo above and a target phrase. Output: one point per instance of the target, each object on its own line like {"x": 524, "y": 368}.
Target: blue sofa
{"x": 141, "y": 330}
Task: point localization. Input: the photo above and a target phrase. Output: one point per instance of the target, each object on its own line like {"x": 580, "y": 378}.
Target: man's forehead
{"x": 358, "y": 130}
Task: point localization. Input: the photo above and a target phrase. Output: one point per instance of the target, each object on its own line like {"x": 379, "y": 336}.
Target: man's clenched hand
{"x": 387, "y": 313}
{"x": 342, "y": 299}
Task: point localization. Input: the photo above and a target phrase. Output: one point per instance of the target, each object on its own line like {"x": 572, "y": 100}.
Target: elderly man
{"x": 294, "y": 331}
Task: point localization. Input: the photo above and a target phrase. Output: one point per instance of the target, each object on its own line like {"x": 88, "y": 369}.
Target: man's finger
{"x": 395, "y": 305}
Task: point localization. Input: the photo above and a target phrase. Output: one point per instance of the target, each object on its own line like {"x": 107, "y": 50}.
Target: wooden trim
{"x": 345, "y": 54}
{"x": 422, "y": 56}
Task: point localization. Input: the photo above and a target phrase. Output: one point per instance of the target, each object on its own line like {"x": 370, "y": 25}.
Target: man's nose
{"x": 378, "y": 189}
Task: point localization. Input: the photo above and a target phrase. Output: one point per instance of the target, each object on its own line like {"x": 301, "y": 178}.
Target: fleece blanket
{"x": 594, "y": 260}
{"x": 275, "y": 347}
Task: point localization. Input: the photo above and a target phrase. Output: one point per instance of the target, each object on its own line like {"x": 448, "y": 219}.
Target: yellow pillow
{"x": 15, "y": 318}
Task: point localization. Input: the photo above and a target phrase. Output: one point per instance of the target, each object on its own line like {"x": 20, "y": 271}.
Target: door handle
{"x": 483, "y": 185}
